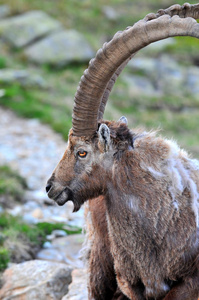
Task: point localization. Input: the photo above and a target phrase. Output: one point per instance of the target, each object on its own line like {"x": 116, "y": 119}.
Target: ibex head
{"x": 84, "y": 170}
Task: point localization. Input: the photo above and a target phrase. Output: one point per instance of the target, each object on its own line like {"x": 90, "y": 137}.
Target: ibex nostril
{"x": 48, "y": 187}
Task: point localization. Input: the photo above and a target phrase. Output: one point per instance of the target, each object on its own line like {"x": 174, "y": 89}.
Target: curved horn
{"x": 102, "y": 72}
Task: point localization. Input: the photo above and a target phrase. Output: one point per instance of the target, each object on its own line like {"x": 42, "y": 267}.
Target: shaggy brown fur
{"x": 142, "y": 227}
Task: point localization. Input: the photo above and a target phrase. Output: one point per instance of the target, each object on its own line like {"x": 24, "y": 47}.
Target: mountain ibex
{"x": 142, "y": 216}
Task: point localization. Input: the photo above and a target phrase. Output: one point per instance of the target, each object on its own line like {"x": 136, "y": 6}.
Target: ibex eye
{"x": 82, "y": 153}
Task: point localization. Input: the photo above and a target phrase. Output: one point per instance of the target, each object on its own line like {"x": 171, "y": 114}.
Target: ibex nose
{"x": 48, "y": 187}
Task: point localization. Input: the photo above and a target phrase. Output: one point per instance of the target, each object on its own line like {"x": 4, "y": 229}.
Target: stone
{"x": 192, "y": 81}
{"x": 166, "y": 76}
{"x": 59, "y": 233}
{"x": 23, "y": 77}
{"x": 2, "y": 93}
{"x": 146, "y": 66}
{"x": 158, "y": 46}
{"x": 37, "y": 213}
{"x": 110, "y": 13}
{"x": 64, "y": 250}
{"x": 19, "y": 31}
{"x": 36, "y": 280}
{"x": 60, "y": 48}
{"x": 4, "y": 11}
{"x": 170, "y": 76}
{"x": 78, "y": 287}
{"x": 139, "y": 85}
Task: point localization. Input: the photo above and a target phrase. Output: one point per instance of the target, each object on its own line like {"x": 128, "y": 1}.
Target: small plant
{"x": 11, "y": 184}
{"x": 47, "y": 228}
{"x": 3, "y": 63}
{"x": 4, "y": 258}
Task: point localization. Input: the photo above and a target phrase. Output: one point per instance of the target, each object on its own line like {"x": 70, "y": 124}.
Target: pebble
{"x": 4, "y": 11}
{"x": 65, "y": 249}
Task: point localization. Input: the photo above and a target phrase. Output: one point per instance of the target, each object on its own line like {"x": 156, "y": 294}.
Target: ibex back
{"x": 142, "y": 190}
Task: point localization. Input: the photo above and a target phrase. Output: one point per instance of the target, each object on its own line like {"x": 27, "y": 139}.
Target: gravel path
{"x": 34, "y": 149}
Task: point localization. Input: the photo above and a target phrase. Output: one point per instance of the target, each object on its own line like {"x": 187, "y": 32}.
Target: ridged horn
{"x": 98, "y": 80}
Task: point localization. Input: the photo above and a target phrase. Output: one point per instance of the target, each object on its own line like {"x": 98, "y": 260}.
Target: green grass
{"x": 11, "y": 183}
{"x": 14, "y": 226}
{"x": 47, "y": 228}
{"x": 3, "y": 62}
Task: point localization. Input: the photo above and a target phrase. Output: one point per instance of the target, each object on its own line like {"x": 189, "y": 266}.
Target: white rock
{"x": 36, "y": 280}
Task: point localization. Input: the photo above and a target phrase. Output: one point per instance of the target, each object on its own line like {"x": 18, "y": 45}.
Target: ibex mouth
{"x": 62, "y": 197}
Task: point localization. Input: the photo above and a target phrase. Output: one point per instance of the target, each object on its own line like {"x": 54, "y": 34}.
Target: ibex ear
{"x": 123, "y": 120}
{"x": 104, "y": 137}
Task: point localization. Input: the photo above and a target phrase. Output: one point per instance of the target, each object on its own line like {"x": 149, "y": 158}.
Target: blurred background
{"x": 44, "y": 48}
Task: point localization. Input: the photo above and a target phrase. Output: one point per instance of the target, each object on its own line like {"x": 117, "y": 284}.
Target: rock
{"x": 4, "y": 11}
{"x": 59, "y": 233}
{"x": 64, "y": 250}
{"x": 56, "y": 233}
{"x": 47, "y": 245}
{"x": 37, "y": 213}
{"x": 36, "y": 280}
{"x": 170, "y": 76}
{"x": 139, "y": 85}
{"x": 21, "y": 30}
{"x": 159, "y": 46}
{"x": 110, "y": 13}
{"x": 2, "y": 93}
{"x": 164, "y": 75}
{"x": 60, "y": 48}
{"x": 147, "y": 66}
{"x": 23, "y": 77}
{"x": 192, "y": 81}
{"x": 78, "y": 287}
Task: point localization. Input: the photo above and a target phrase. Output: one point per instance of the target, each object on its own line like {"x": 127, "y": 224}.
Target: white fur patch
{"x": 179, "y": 169}
{"x": 181, "y": 177}
{"x": 156, "y": 174}
{"x": 133, "y": 203}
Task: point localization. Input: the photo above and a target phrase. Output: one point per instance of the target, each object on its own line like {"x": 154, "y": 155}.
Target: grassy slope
{"x": 54, "y": 105}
